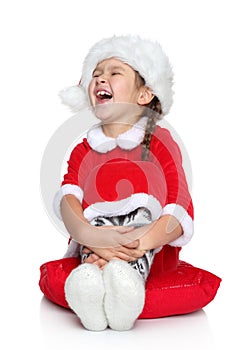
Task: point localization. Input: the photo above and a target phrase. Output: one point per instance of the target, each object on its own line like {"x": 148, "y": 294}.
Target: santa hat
{"x": 144, "y": 56}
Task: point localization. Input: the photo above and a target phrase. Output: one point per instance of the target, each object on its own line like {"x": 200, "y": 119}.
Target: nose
{"x": 101, "y": 79}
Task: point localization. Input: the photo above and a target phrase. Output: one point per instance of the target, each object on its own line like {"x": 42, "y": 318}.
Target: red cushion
{"x": 176, "y": 291}
{"x": 179, "y": 291}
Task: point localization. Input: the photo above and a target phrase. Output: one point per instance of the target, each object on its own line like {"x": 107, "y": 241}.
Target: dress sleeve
{"x": 73, "y": 180}
{"x": 178, "y": 203}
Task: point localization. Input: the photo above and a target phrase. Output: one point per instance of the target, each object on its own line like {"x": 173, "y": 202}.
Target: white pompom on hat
{"x": 144, "y": 56}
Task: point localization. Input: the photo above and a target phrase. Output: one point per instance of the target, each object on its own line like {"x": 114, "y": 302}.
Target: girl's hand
{"x": 94, "y": 258}
{"x": 129, "y": 252}
{"x": 123, "y": 253}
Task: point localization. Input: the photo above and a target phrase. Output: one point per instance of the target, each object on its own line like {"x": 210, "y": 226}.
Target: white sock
{"x": 84, "y": 292}
{"x": 125, "y": 295}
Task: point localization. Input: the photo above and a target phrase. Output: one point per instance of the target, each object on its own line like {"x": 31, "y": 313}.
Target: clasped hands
{"x": 127, "y": 252}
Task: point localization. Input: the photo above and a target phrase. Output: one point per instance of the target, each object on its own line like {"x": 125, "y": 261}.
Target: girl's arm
{"x": 84, "y": 233}
{"x": 163, "y": 231}
{"x": 107, "y": 242}
{"x": 154, "y": 235}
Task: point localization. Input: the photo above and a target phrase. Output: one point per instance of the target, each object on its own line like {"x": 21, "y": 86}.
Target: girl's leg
{"x": 84, "y": 292}
{"x": 124, "y": 295}
{"x": 117, "y": 297}
{"x": 143, "y": 264}
{"x": 138, "y": 217}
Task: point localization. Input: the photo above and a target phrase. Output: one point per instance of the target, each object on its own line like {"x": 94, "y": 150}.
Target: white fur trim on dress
{"x": 127, "y": 140}
{"x": 64, "y": 190}
{"x": 185, "y": 221}
{"x": 124, "y": 206}
{"x": 144, "y": 56}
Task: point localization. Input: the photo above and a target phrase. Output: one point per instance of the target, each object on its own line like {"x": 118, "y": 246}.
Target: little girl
{"x": 125, "y": 193}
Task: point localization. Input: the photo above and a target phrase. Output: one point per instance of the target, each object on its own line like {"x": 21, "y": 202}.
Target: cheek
{"x": 91, "y": 91}
{"x": 129, "y": 89}
{"x": 122, "y": 90}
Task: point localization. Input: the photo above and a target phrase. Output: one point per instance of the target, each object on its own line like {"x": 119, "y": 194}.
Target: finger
{"x": 131, "y": 253}
{"x": 102, "y": 267}
{"x": 101, "y": 263}
{"x": 92, "y": 258}
{"x": 138, "y": 254}
{"x": 133, "y": 244}
{"x": 86, "y": 250}
{"x": 124, "y": 256}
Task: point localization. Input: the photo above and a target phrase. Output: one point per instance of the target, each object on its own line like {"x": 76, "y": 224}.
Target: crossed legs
{"x": 111, "y": 297}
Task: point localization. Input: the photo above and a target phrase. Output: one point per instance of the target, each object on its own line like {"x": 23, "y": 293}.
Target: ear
{"x": 145, "y": 96}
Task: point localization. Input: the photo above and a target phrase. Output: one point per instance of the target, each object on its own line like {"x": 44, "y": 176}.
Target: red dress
{"x": 108, "y": 176}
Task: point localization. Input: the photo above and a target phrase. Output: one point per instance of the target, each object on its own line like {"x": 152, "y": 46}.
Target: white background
{"x": 43, "y": 44}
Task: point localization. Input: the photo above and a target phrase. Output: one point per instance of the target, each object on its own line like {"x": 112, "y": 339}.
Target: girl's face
{"x": 117, "y": 92}
{"x": 114, "y": 81}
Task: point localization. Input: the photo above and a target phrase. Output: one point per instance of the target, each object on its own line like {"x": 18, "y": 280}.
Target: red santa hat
{"x": 144, "y": 56}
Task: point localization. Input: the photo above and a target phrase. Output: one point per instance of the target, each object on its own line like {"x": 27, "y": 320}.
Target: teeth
{"x": 103, "y": 93}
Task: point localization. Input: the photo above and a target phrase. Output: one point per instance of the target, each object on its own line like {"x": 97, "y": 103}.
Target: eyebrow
{"x": 98, "y": 69}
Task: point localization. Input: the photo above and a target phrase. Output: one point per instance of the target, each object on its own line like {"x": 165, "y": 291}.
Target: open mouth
{"x": 103, "y": 96}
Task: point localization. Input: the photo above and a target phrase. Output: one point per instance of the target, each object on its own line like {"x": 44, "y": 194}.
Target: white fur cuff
{"x": 64, "y": 190}
{"x": 185, "y": 221}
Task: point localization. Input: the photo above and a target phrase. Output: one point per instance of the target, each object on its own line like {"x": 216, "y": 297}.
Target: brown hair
{"x": 154, "y": 112}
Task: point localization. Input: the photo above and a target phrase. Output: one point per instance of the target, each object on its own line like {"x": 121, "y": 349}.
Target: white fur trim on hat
{"x": 75, "y": 97}
{"x": 144, "y": 56}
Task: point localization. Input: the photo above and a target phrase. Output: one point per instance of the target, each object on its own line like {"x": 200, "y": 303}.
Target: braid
{"x": 154, "y": 114}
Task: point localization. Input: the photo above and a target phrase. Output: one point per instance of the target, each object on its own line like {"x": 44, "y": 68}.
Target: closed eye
{"x": 96, "y": 73}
